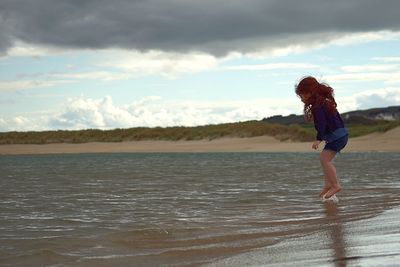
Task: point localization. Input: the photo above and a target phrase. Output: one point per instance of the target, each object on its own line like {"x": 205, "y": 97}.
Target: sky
{"x": 145, "y": 63}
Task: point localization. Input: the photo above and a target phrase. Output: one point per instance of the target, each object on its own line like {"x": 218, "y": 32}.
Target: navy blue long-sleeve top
{"x": 330, "y": 127}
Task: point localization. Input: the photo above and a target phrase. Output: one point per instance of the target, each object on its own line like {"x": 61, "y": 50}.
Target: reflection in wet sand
{"x": 373, "y": 241}
{"x": 335, "y": 232}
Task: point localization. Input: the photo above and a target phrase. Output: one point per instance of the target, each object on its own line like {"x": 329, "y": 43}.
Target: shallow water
{"x": 179, "y": 209}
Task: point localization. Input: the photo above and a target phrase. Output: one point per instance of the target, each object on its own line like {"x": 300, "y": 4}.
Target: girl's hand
{"x": 316, "y": 144}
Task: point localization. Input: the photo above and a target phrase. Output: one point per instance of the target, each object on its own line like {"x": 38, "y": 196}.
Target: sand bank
{"x": 385, "y": 142}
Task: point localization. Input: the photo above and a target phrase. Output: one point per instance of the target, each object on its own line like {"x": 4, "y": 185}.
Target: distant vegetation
{"x": 360, "y": 129}
{"x": 363, "y": 129}
{"x": 292, "y": 132}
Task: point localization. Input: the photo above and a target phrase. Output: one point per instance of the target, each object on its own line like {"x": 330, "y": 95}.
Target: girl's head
{"x": 314, "y": 94}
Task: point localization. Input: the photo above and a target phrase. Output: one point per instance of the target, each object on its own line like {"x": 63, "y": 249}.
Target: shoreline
{"x": 369, "y": 241}
{"x": 376, "y": 142}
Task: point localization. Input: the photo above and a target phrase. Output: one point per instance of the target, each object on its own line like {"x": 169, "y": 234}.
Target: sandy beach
{"x": 382, "y": 142}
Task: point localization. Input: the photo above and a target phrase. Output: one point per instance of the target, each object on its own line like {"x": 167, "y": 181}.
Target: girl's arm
{"x": 315, "y": 145}
{"x": 320, "y": 123}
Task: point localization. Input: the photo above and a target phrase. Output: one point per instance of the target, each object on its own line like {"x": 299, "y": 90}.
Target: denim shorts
{"x": 337, "y": 145}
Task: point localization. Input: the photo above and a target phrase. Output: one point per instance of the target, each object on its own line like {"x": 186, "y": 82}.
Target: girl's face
{"x": 304, "y": 97}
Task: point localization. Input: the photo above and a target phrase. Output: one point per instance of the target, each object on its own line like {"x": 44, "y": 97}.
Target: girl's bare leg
{"x": 326, "y": 158}
{"x": 327, "y": 186}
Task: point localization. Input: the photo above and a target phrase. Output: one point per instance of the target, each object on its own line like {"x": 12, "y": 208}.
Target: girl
{"x": 320, "y": 107}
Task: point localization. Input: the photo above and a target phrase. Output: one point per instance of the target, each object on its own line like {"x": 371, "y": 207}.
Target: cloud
{"x": 387, "y": 59}
{"x": 151, "y": 111}
{"x": 120, "y": 64}
{"x": 20, "y": 49}
{"x": 382, "y": 97}
{"x": 5, "y": 39}
{"x": 20, "y": 123}
{"x": 42, "y": 80}
{"x": 303, "y": 41}
{"x": 387, "y": 73}
{"x": 184, "y": 26}
{"x": 378, "y": 98}
{"x": 105, "y": 76}
{"x": 273, "y": 66}
{"x": 369, "y": 68}
{"x": 167, "y": 64}
{"x": 8, "y": 86}
{"x": 364, "y": 77}
{"x": 91, "y": 113}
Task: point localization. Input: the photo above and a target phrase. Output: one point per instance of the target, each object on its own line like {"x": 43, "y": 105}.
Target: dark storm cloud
{"x": 212, "y": 26}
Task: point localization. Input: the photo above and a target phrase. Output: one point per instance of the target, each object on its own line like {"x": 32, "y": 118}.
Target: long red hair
{"x": 321, "y": 94}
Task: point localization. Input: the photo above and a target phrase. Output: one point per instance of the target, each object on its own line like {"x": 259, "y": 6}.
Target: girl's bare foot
{"x": 324, "y": 191}
{"x": 333, "y": 190}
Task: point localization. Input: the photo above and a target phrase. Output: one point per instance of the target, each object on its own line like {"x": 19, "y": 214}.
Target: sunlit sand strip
{"x": 385, "y": 142}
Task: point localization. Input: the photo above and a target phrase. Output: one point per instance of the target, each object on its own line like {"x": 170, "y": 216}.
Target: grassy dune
{"x": 295, "y": 132}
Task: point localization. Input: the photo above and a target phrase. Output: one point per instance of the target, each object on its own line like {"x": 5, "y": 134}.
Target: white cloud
{"x": 7, "y": 86}
{"x": 273, "y": 66}
{"x": 389, "y": 78}
{"x": 90, "y": 113}
{"x": 370, "y": 68}
{"x": 57, "y": 79}
{"x": 20, "y": 123}
{"x": 387, "y": 59}
{"x": 386, "y": 73}
{"x": 167, "y": 64}
{"x": 364, "y": 37}
{"x": 382, "y": 97}
{"x": 126, "y": 63}
{"x": 379, "y": 98}
{"x": 151, "y": 111}
{"x": 356, "y": 77}
{"x": 21, "y": 49}
{"x": 104, "y": 76}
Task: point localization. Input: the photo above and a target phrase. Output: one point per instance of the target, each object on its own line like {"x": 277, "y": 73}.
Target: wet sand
{"x": 370, "y": 242}
{"x": 385, "y": 142}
